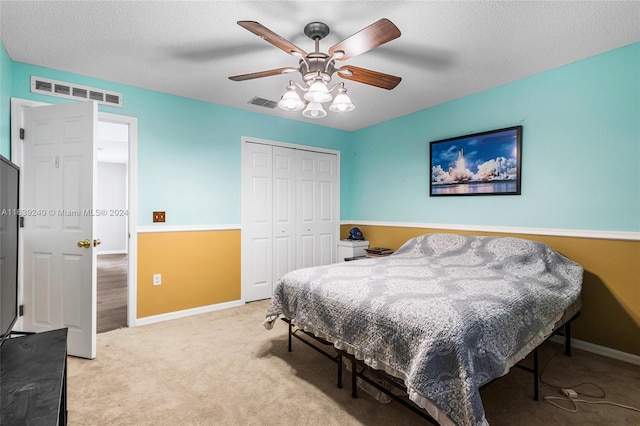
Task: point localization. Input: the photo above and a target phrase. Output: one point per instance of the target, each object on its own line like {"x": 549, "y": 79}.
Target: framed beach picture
{"x": 487, "y": 163}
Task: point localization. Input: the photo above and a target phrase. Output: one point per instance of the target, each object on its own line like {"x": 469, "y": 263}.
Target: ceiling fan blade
{"x": 259, "y": 74}
{"x": 376, "y": 34}
{"x": 373, "y": 78}
{"x": 273, "y": 38}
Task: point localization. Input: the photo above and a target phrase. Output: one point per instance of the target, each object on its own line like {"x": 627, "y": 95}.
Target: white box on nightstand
{"x": 351, "y": 248}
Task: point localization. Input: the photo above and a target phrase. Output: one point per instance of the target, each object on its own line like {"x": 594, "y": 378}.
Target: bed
{"x": 443, "y": 315}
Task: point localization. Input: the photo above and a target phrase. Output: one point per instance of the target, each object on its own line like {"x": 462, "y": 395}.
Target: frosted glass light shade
{"x": 291, "y": 101}
{"x": 314, "y": 110}
{"x": 318, "y": 92}
{"x": 342, "y": 103}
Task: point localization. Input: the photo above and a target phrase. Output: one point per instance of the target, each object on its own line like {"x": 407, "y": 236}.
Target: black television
{"x": 9, "y": 222}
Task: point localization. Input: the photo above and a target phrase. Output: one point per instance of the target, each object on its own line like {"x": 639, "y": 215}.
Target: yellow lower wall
{"x": 610, "y": 314}
{"x": 199, "y": 268}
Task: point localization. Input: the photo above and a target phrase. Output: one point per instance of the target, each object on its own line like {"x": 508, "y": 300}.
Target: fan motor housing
{"x": 314, "y": 66}
{"x": 316, "y": 30}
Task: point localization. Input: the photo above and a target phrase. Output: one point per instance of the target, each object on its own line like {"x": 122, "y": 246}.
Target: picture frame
{"x": 486, "y": 163}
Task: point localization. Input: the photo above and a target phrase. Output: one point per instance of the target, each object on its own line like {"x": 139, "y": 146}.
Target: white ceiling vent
{"x": 262, "y": 102}
{"x": 61, "y": 89}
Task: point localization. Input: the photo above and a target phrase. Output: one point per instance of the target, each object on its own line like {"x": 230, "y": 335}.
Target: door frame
{"x": 243, "y": 225}
{"x": 17, "y": 120}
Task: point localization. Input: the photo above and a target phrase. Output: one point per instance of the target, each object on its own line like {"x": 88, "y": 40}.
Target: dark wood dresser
{"x": 33, "y": 379}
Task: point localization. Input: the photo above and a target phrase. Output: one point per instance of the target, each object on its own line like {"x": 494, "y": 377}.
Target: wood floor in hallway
{"x": 112, "y": 292}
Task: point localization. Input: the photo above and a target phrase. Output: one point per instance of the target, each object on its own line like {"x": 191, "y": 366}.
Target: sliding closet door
{"x": 317, "y": 210}
{"x": 290, "y": 213}
{"x": 284, "y": 211}
{"x": 257, "y": 221}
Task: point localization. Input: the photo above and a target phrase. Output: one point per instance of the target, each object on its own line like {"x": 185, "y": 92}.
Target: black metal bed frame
{"x": 396, "y": 382}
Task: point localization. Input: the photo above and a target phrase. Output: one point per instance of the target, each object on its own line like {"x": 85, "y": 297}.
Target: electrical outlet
{"x": 157, "y": 279}
{"x": 158, "y": 216}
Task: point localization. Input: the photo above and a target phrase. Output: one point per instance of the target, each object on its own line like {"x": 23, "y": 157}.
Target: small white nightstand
{"x": 351, "y": 248}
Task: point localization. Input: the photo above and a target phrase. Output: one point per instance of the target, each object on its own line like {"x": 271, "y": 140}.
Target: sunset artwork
{"x": 485, "y": 163}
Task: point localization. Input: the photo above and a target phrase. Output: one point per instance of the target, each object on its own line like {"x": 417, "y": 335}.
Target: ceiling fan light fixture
{"x": 290, "y": 100}
{"x": 317, "y": 68}
{"x": 314, "y": 110}
{"x": 318, "y": 92}
{"x": 342, "y": 102}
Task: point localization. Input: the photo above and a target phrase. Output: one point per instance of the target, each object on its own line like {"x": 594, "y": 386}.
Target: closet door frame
{"x": 248, "y": 263}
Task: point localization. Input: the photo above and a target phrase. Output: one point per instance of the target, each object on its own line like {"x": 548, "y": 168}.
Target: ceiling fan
{"x": 317, "y": 68}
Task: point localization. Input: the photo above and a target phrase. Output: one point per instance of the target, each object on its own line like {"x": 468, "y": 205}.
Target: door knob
{"x": 84, "y": 244}
{"x": 96, "y": 242}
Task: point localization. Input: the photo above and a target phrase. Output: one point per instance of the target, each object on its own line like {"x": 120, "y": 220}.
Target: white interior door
{"x": 59, "y": 169}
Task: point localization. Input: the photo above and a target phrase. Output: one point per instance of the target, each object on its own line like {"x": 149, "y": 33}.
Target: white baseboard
{"x": 188, "y": 312}
{"x": 600, "y": 350}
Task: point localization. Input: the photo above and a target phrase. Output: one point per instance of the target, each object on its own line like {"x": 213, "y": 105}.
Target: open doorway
{"x": 113, "y": 251}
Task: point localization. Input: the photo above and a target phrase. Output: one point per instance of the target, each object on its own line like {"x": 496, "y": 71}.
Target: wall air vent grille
{"x": 46, "y": 86}
{"x": 61, "y": 89}
{"x": 263, "y": 102}
{"x": 96, "y": 96}
{"x": 79, "y": 93}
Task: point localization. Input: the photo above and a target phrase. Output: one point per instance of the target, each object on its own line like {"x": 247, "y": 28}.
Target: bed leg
{"x": 535, "y": 374}
{"x": 567, "y": 339}
{"x": 339, "y": 371}
{"x": 354, "y": 386}
{"x": 290, "y": 327}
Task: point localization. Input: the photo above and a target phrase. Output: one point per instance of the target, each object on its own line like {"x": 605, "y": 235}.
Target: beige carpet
{"x": 224, "y": 368}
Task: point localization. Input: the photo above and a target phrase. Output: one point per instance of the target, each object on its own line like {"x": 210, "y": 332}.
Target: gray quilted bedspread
{"x": 446, "y": 313}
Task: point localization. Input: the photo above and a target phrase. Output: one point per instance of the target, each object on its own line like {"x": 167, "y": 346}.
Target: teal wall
{"x": 189, "y": 152}
{"x": 5, "y": 102}
{"x": 580, "y": 159}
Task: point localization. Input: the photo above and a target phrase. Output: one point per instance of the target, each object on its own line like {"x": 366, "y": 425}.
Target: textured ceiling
{"x": 447, "y": 49}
